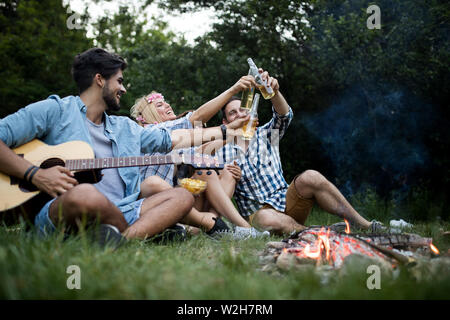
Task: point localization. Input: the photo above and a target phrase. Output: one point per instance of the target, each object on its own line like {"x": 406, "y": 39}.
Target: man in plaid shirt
{"x": 262, "y": 195}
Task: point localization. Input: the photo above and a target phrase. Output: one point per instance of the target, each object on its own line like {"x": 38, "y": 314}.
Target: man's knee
{"x": 311, "y": 179}
{"x": 183, "y": 197}
{"x": 154, "y": 184}
{"x": 226, "y": 175}
{"x": 86, "y": 198}
{"x": 83, "y": 199}
{"x": 266, "y": 219}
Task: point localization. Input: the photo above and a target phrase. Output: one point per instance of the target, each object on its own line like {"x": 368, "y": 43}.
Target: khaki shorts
{"x": 297, "y": 207}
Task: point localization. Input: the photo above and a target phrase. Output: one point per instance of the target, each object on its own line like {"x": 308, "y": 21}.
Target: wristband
{"x": 28, "y": 171}
{"x": 33, "y": 172}
{"x": 224, "y": 131}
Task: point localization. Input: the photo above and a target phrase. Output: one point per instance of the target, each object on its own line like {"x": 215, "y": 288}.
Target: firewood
{"x": 276, "y": 244}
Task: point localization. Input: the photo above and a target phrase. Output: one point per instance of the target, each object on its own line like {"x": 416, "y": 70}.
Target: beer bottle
{"x": 247, "y": 97}
{"x": 266, "y": 91}
{"x": 249, "y": 128}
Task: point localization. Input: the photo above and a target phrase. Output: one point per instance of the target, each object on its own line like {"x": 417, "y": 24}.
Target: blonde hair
{"x": 147, "y": 111}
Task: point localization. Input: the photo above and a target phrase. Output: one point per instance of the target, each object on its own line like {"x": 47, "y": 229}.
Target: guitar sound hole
{"x": 52, "y": 162}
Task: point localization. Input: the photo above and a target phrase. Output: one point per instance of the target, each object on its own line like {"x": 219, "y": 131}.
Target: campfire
{"x": 322, "y": 246}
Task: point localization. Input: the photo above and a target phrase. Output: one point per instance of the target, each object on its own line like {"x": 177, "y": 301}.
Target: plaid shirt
{"x": 262, "y": 179}
{"x": 166, "y": 171}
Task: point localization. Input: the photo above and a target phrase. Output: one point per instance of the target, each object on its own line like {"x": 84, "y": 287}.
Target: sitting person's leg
{"x": 306, "y": 189}
{"x": 153, "y": 185}
{"x": 160, "y": 211}
{"x": 276, "y": 222}
{"x": 84, "y": 201}
{"x": 292, "y": 219}
{"x": 313, "y": 185}
{"x": 228, "y": 185}
{"x": 219, "y": 199}
{"x": 196, "y": 218}
{"x": 228, "y": 182}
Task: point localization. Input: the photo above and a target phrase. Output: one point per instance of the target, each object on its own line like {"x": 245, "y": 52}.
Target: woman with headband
{"x": 153, "y": 110}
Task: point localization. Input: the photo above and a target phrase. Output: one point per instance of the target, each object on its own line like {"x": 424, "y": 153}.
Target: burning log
{"x": 408, "y": 241}
{"x": 329, "y": 247}
{"x": 323, "y": 247}
{"x": 395, "y": 255}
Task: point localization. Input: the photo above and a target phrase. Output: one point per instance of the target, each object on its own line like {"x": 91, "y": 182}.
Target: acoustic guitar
{"x": 79, "y": 158}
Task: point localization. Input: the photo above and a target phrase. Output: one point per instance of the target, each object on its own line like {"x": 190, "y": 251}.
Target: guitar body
{"x": 15, "y": 192}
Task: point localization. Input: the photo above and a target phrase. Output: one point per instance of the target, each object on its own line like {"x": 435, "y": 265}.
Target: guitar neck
{"x": 106, "y": 163}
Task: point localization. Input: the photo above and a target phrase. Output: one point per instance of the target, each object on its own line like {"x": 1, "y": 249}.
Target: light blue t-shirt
{"x": 56, "y": 120}
{"x": 111, "y": 185}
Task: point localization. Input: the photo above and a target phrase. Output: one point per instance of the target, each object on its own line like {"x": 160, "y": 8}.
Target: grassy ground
{"x": 32, "y": 268}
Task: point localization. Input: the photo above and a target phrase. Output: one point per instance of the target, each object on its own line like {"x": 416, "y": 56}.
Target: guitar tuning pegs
{"x": 216, "y": 161}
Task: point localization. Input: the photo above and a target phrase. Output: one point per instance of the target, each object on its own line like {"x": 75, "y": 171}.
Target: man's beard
{"x": 110, "y": 99}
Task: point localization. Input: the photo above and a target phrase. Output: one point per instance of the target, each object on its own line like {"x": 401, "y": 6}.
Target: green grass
{"x": 35, "y": 268}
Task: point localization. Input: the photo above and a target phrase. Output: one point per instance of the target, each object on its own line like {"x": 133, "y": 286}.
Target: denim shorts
{"x": 45, "y": 226}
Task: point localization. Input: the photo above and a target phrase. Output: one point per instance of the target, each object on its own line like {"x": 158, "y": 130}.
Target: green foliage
{"x": 36, "y": 52}
{"x": 387, "y": 89}
{"x": 398, "y": 76}
{"x": 187, "y": 77}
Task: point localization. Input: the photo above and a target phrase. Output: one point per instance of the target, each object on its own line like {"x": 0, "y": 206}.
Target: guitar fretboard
{"x": 105, "y": 163}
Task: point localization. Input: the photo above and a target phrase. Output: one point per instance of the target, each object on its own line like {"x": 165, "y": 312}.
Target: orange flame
{"x": 347, "y": 227}
{"x": 322, "y": 241}
{"x": 326, "y": 243}
{"x": 315, "y": 254}
{"x": 434, "y": 249}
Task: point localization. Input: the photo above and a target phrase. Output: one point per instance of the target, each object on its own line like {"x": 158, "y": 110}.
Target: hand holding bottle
{"x": 238, "y": 123}
{"x": 244, "y": 83}
{"x": 271, "y": 82}
{"x": 262, "y": 84}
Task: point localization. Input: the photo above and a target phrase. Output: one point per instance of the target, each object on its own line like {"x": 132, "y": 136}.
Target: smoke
{"x": 375, "y": 139}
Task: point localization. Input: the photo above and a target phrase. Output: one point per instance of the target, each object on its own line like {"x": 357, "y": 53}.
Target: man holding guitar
{"x": 114, "y": 201}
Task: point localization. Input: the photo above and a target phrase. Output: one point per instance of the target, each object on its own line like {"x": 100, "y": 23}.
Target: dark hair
{"x": 95, "y": 60}
{"x": 222, "y": 111}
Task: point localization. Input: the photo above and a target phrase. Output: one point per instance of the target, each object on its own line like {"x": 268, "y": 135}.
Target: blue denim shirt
{"x": 56, "y": 120}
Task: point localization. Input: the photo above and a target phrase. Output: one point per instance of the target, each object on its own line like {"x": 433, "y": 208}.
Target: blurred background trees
{"x": 36, "y": 52}
{"x": 370, "y": 106}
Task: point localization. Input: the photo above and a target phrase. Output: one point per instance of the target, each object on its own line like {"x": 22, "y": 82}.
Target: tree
{"x": 36, "y": 52}
{"x": 370, "y": 105}
{"x": 391, "y": 109}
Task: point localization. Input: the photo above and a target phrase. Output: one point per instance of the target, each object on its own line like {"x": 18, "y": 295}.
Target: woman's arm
{"x": 185, "y": 138}
{"x": 210, "y": 148}
{"x": 210, "y": 108}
